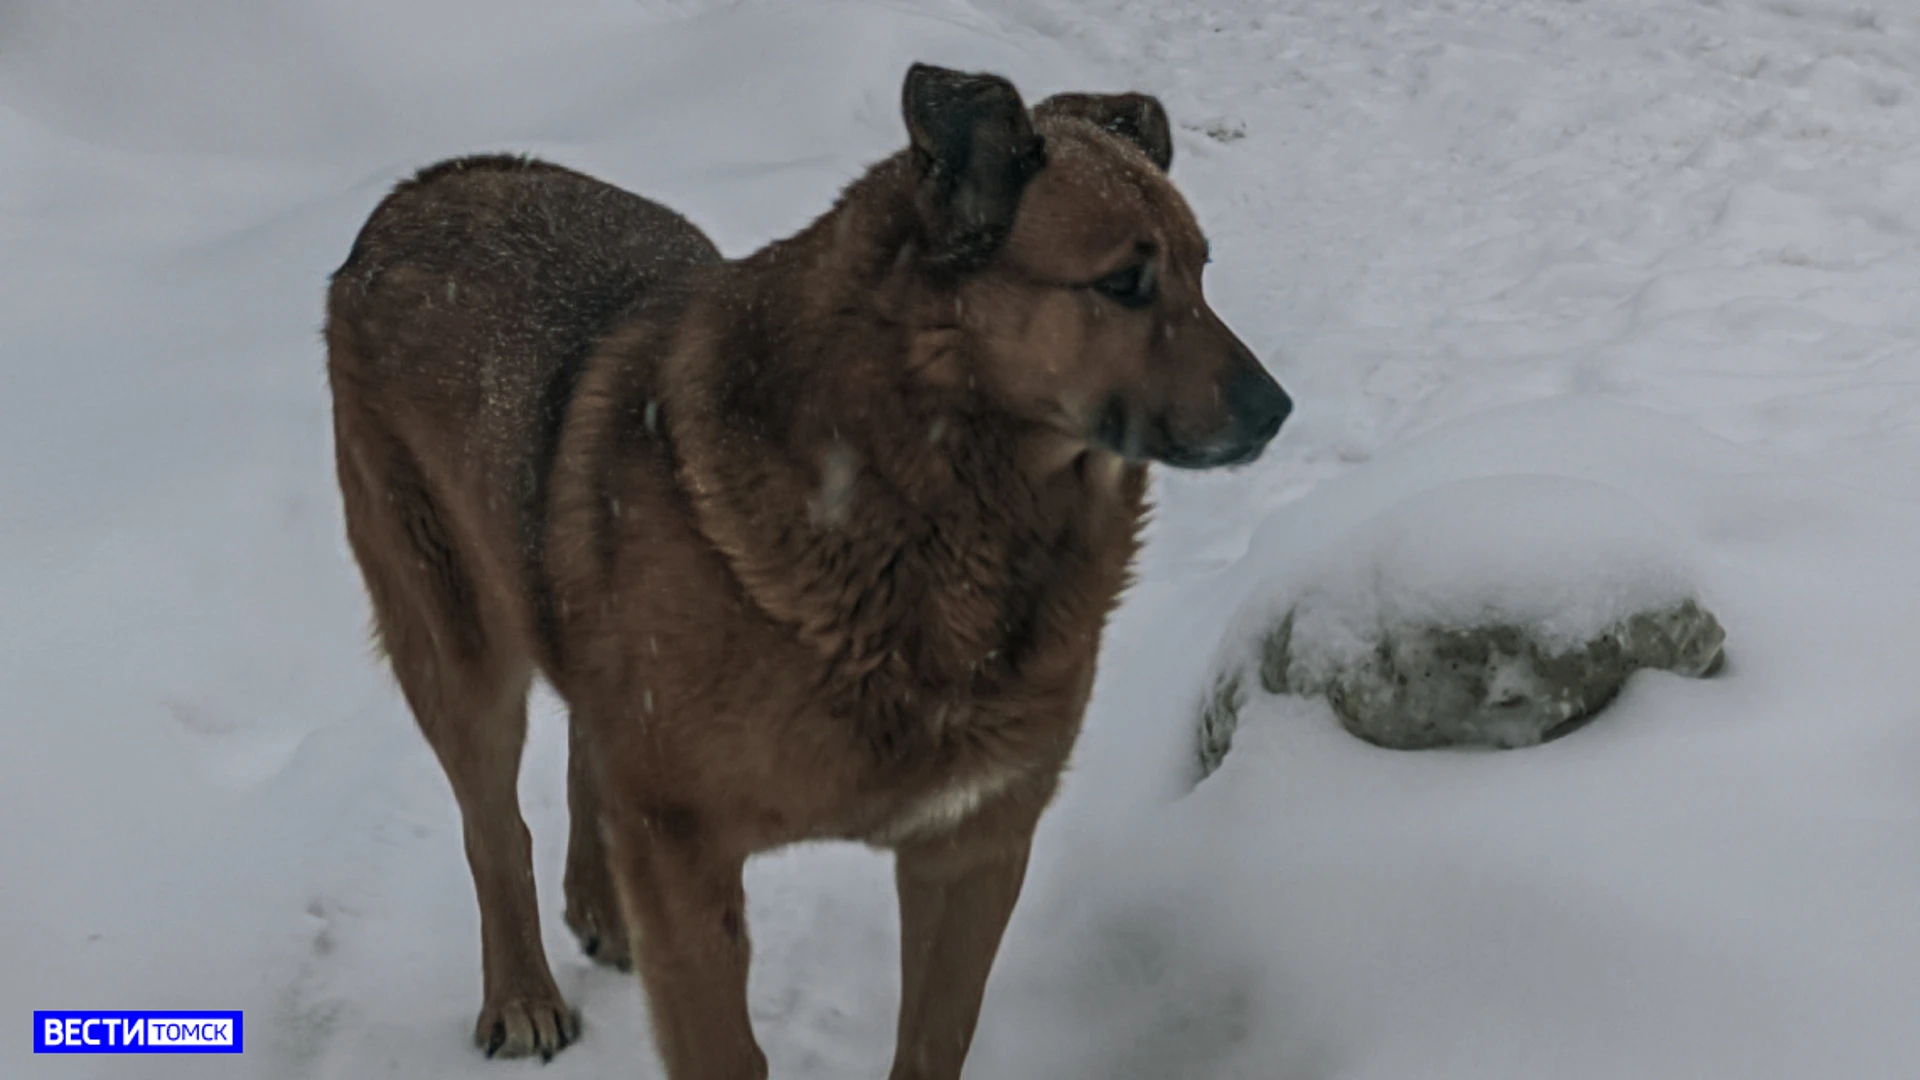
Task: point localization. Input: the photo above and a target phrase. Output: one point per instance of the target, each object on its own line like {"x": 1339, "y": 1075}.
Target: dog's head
{"x": 1077, "y": 271}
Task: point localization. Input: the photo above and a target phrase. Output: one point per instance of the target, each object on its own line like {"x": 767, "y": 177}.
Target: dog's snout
{"x": 1256, "y": 407}
{"x": 1248, "y": 408}
{"x": 1259, "y": 405}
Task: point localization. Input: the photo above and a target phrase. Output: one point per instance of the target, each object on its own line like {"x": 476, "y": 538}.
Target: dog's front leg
{"x": 686, "y": 920}
{"x": 956, "y": 895}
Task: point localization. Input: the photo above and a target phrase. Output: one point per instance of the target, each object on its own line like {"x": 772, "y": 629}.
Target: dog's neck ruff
{"x": 907, "y": 535}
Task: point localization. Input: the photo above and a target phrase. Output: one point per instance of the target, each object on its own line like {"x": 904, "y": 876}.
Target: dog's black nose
{"x": 1258, "y": 404}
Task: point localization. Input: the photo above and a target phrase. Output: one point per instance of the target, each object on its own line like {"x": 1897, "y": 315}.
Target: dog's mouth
{"x": 1124, "y": 431}
{"x": 1222, "y": 457}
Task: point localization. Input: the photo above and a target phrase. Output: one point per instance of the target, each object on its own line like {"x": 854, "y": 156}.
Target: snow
{"x": 1564, "y": 560}
{"x": 1667, "y": 250}
{"x": 1371, "y": 617}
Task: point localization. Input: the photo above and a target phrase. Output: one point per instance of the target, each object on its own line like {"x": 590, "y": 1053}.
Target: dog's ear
{"x": 973, "y": 150}
{"x": 1137, "y": 118}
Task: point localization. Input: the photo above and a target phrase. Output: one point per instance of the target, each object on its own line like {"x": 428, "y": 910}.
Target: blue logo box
{"x": 120, "y": 1031}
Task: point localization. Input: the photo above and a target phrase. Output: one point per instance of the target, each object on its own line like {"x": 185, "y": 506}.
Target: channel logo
{"x": 88, "y": 1031}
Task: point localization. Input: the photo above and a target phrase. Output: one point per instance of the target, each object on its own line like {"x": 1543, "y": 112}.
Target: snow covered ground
{"x": 1672, "y": 248}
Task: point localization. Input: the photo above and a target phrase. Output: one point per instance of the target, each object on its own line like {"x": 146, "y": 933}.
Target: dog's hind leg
{"x": 478, "y": 741}
{"x": 593, "y": 906}
{"x": 468, "y": 692}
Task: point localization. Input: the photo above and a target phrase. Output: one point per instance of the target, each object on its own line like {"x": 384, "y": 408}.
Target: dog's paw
{"x": 594, "y": 917}
{"x": 601, "y": 935}
{"x": 526, "y": 1025}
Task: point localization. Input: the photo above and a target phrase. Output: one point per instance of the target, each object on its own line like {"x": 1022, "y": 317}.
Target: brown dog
{"x": 815, "y": 544}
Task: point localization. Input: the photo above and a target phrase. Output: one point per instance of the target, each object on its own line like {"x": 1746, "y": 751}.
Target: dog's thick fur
{"x": 814, "y": 544}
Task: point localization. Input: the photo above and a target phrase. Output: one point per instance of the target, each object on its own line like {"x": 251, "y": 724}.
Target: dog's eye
{"x": 1130, "y": 288}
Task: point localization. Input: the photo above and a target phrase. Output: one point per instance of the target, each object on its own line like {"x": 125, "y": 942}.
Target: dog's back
{"x": 460, "y": 321}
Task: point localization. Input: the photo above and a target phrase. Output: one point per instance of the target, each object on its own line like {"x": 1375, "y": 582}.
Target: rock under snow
{"x": 1499, "y": 612}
